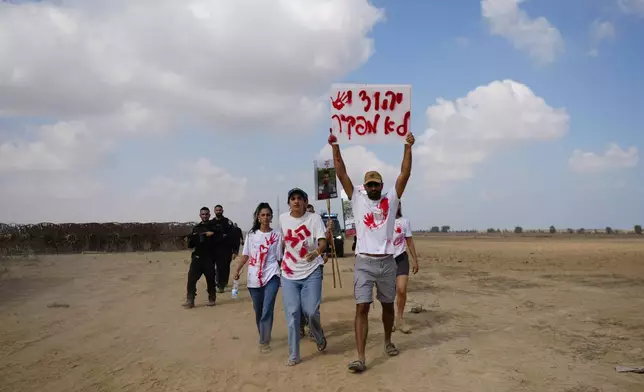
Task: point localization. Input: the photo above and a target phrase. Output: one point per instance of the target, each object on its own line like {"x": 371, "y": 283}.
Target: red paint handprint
{"x": 343, "y": 98}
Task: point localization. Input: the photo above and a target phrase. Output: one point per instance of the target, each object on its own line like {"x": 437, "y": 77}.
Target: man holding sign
{"x": 375, "y": 218}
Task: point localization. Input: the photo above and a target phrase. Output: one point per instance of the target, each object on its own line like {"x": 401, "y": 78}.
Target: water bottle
{"x": 235, "y": 290}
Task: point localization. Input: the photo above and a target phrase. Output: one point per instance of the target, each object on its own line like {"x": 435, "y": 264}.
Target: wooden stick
{"x": 328, "y": 211}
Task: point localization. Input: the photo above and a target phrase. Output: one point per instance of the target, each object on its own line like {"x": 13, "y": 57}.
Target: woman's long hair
{"x": 260, "y": 207}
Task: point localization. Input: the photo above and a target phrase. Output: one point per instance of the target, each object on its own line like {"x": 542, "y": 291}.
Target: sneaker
{"x": 212, "y": 301}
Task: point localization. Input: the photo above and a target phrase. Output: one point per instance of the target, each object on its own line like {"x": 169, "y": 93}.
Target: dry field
{"x": 500, "y": 314}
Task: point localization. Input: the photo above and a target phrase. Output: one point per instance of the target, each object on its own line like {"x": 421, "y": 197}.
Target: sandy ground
{"x": 500, "y": 315}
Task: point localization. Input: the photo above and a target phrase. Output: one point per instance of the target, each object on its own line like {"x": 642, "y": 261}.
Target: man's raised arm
{"x": 340, "y": 169}
{"x": 405, "y": 169}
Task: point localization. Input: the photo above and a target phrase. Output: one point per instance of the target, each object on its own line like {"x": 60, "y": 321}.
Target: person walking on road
{"x": 238, "y": 239}
{"x": 402, "y": 241}
{"x": 263, "y": 251}
{"x": 304, "y": 242}
{"x": 375, "y": 214}
{"x": 224, "y": 247}
{"x": 201, "y": 240}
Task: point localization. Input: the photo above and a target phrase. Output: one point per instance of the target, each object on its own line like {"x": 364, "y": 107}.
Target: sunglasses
{"x": 372, "y": 184}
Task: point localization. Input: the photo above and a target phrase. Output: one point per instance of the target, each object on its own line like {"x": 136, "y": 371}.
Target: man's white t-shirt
{"x": 402, "y": 231}
{"x": 264, "y": 251}
{"x": 301, "y": 236}
{"x": 374, "y": 220}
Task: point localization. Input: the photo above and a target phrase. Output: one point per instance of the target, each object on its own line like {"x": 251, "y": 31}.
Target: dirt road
{"x": 500, "y": 315}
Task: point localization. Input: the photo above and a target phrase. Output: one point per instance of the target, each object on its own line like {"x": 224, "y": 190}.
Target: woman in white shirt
{"x": 403, "y": 241}
{"x": 263, "y": 251}
{"x": 304, "y": 241}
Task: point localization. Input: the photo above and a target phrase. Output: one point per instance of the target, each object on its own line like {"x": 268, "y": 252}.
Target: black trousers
{"x": 222, "y": 262}
{"x": 204, "y": 265}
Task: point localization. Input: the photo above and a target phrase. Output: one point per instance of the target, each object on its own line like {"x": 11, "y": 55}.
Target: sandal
{"x": 322, "y": 346}
{"x": 391, "y": 350}
{"x": 357, "y": 366}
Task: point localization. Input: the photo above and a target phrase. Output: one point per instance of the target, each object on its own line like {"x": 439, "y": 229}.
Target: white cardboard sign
{"x": 370, "y": 113}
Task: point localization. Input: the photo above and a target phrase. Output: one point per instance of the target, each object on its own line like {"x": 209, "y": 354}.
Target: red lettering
{"x": 389, "y": 125}
{"x": 351, "y": 121}
{"x": 391, "y": 100}
{"x": 302, "y": 252}
{"x": 376, "y": 95}
{"x": 404, "y": 126}
{"x": 365, "y": 126}
{"x": 366, "y": 99}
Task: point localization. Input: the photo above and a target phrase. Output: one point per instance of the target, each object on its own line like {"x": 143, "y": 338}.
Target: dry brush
{"x": 48, "y": 238}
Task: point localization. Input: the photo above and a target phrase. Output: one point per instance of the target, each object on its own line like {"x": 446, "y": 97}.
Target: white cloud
{"x": 103, "y": 71}
{"x": 228, "y": 64}
{"x": 199, "y": 183}
{"x": 236, "y": 63}
{"x": 632, "y": 6}
{"x": 600, "y": 31}
{"x": 536, "y": 36}
{"x": 465, "y": 132}
{"x": 614, "y": 158}
{"x": 72, "y": 196}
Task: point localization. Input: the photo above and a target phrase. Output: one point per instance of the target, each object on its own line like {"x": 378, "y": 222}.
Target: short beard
{"x": 374, "y": 195}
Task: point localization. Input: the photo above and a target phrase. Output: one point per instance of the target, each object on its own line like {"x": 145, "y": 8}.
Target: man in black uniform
{"x": 203, "y": 262}
{"x": 238, "y": 240}
{"x": 223, "y": 244}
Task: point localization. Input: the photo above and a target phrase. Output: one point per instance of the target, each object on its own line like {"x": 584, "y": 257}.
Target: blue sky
{"x": 444, "y": 49}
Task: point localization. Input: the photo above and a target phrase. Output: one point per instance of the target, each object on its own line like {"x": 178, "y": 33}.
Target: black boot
{"x": 212, "y": 300}
{"x": 190, "y": 303}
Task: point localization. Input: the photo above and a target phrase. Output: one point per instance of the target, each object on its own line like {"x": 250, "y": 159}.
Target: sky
{"x": 525, "y": 113}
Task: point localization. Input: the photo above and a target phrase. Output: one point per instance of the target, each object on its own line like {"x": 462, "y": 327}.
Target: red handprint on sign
{"x": 343, "y": 98}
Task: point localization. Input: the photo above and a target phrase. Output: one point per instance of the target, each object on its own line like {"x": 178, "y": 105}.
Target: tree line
{"x": 637, "y": 229}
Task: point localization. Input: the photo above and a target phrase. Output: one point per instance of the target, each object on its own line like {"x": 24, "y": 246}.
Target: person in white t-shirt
{"x": 304, "y": 242}
{"x": 403, "y": 240}
{"x": 374, "y": 209}
{"x": 263, "y": 252}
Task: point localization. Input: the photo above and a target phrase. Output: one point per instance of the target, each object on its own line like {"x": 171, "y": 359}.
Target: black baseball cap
{"x": 300, "y": 191}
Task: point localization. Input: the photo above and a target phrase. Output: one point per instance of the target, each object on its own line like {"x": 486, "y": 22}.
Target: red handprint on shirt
{"x": 263, "y": 252}
{"x": 293, "y": 238}
{"x": 374, "y": 220}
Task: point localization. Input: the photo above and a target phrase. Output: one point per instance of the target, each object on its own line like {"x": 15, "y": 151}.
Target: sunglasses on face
{"x": 372, "y": 185}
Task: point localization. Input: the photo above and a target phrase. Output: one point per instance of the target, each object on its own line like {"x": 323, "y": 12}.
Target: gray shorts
{"x": 378, "y": 271}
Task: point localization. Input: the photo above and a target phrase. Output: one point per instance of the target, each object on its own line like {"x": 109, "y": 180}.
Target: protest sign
{"x": 370, "y": 113}
{"x": 349, "y": 221}
{"x": 326, "y": 185}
